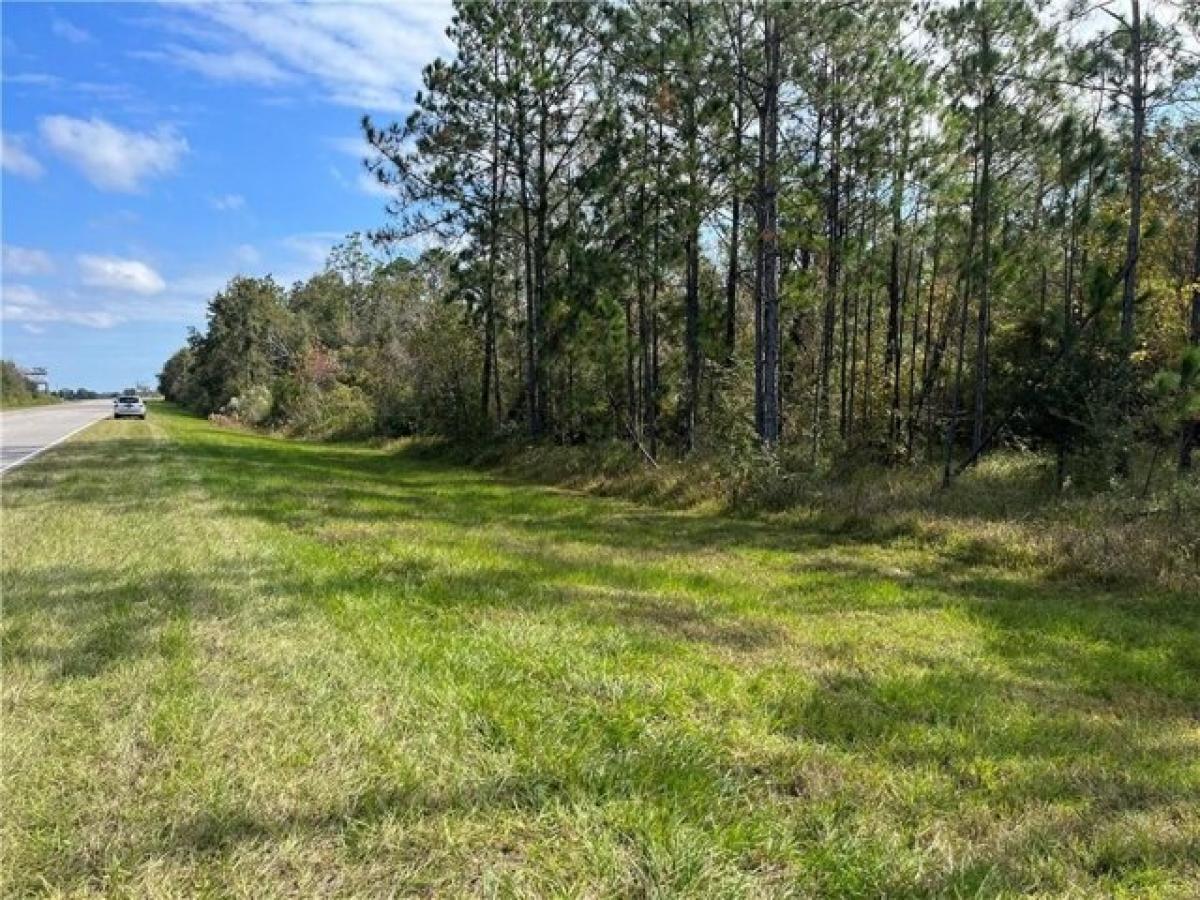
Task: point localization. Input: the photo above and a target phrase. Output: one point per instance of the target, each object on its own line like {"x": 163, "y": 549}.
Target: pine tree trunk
{"x": 489, "y": 345}
{"x": 846, "y": 413}
{"x": 692, "y": 336}
{"x": 1195, "y": 324}
{"x": 868, "y": 352}
{"x": 956, "y": 394}
{"x": 967, "y": 283}
{"x": 495, "y": 328}
{"x": 984, "y": 321}
{"x": 1191, "y": 429}
{"x": 912, "y": 352}
{"x": 894, "y": 325}
{"x": 630, "y": 384}
{"x": 929, "y": 367}
{"x": 539, "y": 258}
{"x": 531, "y": 344}
{"x": 731, "y": 278}
{"x": 490, "y": 366}
{"x": 1070, "y": 217}
{"x": 1133, "y": 241}
{"x": 828, "y": 323}
{"x": 1044, "y": 270}
{"x": 760, "y": 175}
{"x": 769, "y": 236}
{"x": 851, "y": 318}
{"x": 652, "y": 357}
{"x": 691, "y": 303}
{"x": 735, "y": 232}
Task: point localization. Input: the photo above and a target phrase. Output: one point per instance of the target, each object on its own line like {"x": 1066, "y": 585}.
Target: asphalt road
{"x": 24, "y": 433}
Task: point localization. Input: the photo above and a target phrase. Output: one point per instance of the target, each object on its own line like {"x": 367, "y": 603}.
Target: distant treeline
{"x": 16, "y": 390}
{"x": 361, "y": 348}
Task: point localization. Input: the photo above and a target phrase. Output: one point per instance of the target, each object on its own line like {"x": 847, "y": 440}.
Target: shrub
{"x": 341, "y": 412}
{"x": 253, "y": 406}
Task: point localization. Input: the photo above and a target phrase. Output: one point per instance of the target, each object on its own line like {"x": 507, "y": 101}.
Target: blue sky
{"x": 151, "y": 151}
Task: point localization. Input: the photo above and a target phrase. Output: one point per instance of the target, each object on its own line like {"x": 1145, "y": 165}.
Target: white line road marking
{"x": 38, "y": 451}
{"x": 27, "y": 434}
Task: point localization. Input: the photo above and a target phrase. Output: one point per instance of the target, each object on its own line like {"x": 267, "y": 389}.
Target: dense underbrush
{"x": 1007, "y": 509}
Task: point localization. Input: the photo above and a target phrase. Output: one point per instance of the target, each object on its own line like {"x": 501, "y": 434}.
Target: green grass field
{"x": 239, "y": 666}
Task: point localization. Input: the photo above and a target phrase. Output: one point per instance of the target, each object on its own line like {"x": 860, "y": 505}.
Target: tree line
{"x": 825, "y": 231}
{"x": 16, "y": 390}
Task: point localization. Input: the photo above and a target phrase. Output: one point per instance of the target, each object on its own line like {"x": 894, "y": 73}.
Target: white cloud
{"x": 21, "y": 303}
{"x": 112, "y": 93}
{"x": 356, "y": 146}
{"x": 363, "y": 183}
{"x": 26, "y": 261}
{"x": 247, "y": 255}
{"x": 183, "y": 301}
{"x": 363, "y": 55}
{"x": 19, "y": 297}
{"x": 311, "y": 249}
{"x": 228, "y": 202}
{"x": 70, "y": 32}
{"x": 112, "y": 158}
{"x": 118, "y": 218}
{"x": 33, "y": 79}
{"x": 200, "y": 285}
{"x": 16, "y": 159}
{"x": 117, "y": 274}
{"x": 369, "y": 184}
{"x": 235, "y": 65}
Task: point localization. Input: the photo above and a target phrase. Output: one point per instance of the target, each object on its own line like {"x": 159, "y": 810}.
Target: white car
{"x": 129, "y": 405}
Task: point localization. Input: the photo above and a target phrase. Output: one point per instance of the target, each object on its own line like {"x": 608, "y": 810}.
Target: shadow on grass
{"x": 344, "y": 493}
{"x": 106, "y": 617}
{"x": 300, "y": 485}
{"x": 1081, "y": 696}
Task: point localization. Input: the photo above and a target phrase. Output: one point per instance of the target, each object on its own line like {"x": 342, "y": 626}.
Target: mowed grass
{"x": 240, "y": 666}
